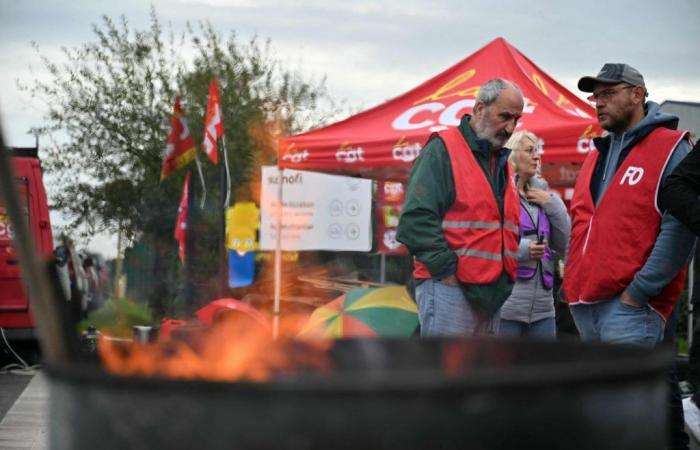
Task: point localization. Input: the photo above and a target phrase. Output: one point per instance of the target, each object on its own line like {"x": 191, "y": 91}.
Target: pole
{"x": 228, "y": 172}
{"x": 278, "y": 256}
{"x": 691, "y": 281}
{"x": 189, "y": 248}
{"x": 382, "y": 268}
{"x": 225, "y": 203}
{"x": 222, "y": 232}
{"x": 201, "y": 178}
{"x": 118, "y": 263}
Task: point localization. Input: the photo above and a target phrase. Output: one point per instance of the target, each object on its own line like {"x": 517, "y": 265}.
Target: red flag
{"x": 180, "y": 150}
{"x": 213, "y": 123}
{"x": 180, "y": 233}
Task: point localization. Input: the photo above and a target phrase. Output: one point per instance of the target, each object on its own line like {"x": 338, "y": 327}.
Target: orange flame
{"x": 458, "y": 357}
{"x": 232, "y": 350}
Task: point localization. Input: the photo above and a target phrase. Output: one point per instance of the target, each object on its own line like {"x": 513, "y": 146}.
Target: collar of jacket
{"x": 602, "y": 144}
{"x": 476, "y": 144}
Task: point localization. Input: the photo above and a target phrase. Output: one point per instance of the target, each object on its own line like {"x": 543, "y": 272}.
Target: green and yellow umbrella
{"x": 388, "y": 311}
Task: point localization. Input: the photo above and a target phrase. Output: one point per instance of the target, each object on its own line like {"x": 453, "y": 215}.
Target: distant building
{"x": 689, "y": 114}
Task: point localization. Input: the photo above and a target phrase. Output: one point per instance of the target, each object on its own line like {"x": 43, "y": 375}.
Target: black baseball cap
{"x": 612, "y": 73}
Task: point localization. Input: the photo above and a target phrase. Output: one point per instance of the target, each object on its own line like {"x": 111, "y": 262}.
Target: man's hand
{"x": 629, "y": 301}
{"x": 450, "y": 280}
{"x": 537, "y": 196}
{"x": 537, "y": 250}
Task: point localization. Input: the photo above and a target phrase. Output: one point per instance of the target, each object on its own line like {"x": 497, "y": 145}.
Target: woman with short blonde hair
{"x": 544, "y": 232}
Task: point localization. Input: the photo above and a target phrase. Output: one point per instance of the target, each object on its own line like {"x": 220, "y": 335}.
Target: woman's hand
{"x": 537, "y": 196}
{"x": 537, "y": 250}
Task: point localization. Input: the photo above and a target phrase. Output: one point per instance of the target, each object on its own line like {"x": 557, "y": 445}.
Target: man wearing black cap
{"x": 626, "y": 264}
{"x": 627, "y": 258}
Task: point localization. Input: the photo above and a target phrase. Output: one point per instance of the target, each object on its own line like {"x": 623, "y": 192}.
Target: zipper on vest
{"x": 503, "y": 239}
{"x": 609, "y": 157}
{"x": 588, "y": 234}
{"x": 534, "y": 298}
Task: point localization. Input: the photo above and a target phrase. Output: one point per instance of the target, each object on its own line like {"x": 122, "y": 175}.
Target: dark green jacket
{"x": 430, "y": 193}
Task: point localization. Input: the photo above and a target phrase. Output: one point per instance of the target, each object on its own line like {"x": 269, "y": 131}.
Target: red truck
{"x": 15, "y": 316}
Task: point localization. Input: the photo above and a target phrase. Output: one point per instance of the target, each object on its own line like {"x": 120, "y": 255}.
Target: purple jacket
{"x": 528, "y": 269}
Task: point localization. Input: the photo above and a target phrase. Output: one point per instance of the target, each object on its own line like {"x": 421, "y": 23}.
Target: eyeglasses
{"x": 607, "y": 94}
{"x": 531, "y": 150}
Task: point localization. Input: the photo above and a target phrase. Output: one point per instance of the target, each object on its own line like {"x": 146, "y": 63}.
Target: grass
{"x": 117, "y": 317}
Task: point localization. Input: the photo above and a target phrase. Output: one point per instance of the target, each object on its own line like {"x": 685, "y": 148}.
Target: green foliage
{"x": 113, "y": 97}
{"x": 117, "y": 317}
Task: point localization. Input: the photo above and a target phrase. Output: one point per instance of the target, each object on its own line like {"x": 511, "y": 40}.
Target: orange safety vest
{"x": 486, "y": 244}
{"x": 611, "y": 242}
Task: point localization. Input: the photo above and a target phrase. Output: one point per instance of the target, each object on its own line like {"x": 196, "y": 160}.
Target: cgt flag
{"x": 180, "y": 233}
{"x": 213, "y": 123}
{"x": 180, "y": 150}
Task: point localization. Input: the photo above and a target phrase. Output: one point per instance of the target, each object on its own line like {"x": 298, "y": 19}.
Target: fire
{"x": 234, "y": 349}
{"x": 458, "y": 357}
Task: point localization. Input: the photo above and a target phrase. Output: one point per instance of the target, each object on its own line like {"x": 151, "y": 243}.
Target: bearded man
{"x": 460, "y": 218}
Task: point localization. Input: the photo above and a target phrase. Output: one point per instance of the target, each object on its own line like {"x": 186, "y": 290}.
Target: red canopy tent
{"x": 382, "y": 142}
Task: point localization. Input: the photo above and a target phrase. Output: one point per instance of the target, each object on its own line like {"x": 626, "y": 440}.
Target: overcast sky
{"x": 371, "y": 51}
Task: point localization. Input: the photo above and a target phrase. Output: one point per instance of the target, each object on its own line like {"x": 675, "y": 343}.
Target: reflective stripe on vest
{"x": 485, "y": 255}
{"x": 476, "y": 225}
{"x": 480, "y": 225}
{"x": 511, "y": 226}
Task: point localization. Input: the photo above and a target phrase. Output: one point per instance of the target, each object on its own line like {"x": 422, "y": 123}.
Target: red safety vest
{"x": 485, "y": 243}
{"x": 611, "y": 242}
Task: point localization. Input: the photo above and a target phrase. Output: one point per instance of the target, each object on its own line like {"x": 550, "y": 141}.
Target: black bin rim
{"x": 622, "y": 364}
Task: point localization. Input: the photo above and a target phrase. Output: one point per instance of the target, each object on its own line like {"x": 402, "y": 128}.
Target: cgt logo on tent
{"x": 404, "y": 151}
{"x": 585, "y": 141}
{"x": 296, "y": 156}
{"x": 446, "y": 106}
{"x": 350, "y": 155}
{"x": 393, "y": 191}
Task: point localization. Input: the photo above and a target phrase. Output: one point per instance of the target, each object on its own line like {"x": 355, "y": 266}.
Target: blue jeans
{"x": 540, "y": 329}
{"x": 613, "y": 322}
{"x": 444, "y": 311}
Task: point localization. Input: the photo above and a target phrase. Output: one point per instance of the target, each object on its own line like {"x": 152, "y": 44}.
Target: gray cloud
{"x": 374, "y": 51}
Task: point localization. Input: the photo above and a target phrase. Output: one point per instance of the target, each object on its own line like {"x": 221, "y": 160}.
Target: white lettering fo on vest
{"x": 633, "y": 175}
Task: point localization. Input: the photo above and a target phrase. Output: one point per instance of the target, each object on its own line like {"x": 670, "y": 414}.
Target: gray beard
{"x": 481, "y": 131}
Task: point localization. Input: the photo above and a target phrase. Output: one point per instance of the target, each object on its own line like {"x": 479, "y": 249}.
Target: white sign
{"x": 319, "y": 211}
